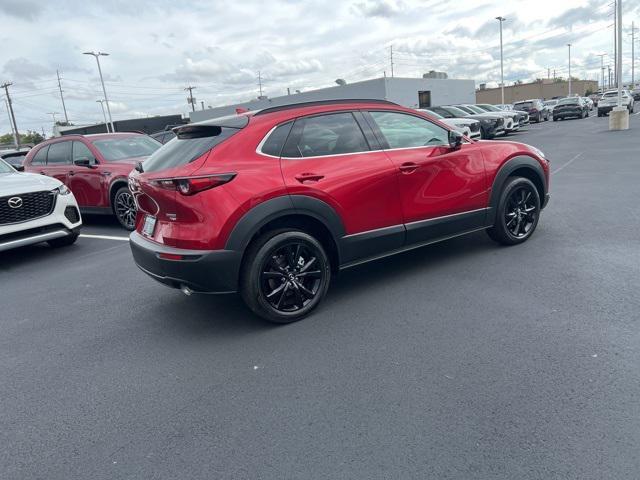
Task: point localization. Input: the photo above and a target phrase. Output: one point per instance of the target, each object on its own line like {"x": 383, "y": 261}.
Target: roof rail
{"x": 289, "y": 106}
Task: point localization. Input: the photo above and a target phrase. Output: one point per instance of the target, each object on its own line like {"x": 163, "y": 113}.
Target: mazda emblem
{"x": 15, "y": 202}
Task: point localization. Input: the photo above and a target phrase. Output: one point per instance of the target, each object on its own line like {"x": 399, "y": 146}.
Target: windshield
{"x": 490, "y": 108}
{"x": 4, "y": 168}
{"x": 434, "y": 114}
{"x": 455, "y": 111}
{"x": 569, "y": 101}
{"x": 551, "y": 102}
{"x": 475, "y": 109}
{"x": 114, "y": 149}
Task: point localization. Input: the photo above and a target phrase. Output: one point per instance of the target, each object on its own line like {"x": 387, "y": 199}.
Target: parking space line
{"x": 104, "y": 237}
{"x": 567, "y": 164}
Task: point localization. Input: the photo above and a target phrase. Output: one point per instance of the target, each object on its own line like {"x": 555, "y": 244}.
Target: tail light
{"x": 192, "y": 185}
{"x": 533, "y": 110}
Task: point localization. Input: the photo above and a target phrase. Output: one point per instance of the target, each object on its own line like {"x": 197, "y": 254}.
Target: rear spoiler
{"x": 211, "y": 128}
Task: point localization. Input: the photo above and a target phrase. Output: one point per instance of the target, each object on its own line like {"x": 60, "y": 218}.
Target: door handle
{"x": 408, "y": 167}
{"x": 308, "y": 177}
{"x": 43, "y": 173}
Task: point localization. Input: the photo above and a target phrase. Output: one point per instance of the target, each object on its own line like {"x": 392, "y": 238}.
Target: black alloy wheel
{"x": 285, "y": 276}
{"x": 124, "y": 208}
{"x": 521, "y": 213}
{"x": 518, "y": 212}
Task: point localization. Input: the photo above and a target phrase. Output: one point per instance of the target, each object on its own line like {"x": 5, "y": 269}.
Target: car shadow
{"x": 226, "y": 315}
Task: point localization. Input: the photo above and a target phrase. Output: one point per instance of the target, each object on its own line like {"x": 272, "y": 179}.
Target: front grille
{"x": 474, "y": 127}
{"x": 33, "y": 205}
{"x": 72, "y": 214}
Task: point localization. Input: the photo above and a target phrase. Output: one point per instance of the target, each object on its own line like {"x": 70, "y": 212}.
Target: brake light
{"x": 533, "y": 110}
{"x": 192, "y": 185}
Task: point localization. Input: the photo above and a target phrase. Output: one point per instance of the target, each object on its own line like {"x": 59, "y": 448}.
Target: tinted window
{"x": 569, "y": 101}
{"x": 80, "y": 150}
{"x": 114, "y": 149}
{"x": 456, "y": 112}
{"x": 406, "y": 131}
{"x": 333, "y": 134}
{"x": 181, "y": 151}
{"x": 59, "y": 153}
{"x": 526, "y": 105}
{"x": 275, "y": 143}
{"x": 15, "y": 159}
{"x": 40, "y": 158}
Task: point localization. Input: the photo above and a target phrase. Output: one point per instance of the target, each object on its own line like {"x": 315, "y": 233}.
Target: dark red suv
{"x": 95, "y": 168}
{"x": 273, "y": 203}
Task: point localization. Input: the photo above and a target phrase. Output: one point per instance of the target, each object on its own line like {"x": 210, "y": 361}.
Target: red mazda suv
{"x": 272, "y": 203}
{"x": 95, "y": 169}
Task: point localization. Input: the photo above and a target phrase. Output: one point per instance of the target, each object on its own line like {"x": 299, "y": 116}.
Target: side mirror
{"x": 83, "y": 162}
{"x": 455, "y": 139}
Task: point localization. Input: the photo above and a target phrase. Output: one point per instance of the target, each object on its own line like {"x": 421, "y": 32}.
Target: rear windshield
{"x": 568, "y": 101}
{"x": 523, "y": 105}
{"x": 181, "y": 151}
{"x": 114, "y": 149}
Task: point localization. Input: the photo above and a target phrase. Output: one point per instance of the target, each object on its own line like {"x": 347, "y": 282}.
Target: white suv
{"x": 610, "y": 100}
{"x": 35, "y": 208}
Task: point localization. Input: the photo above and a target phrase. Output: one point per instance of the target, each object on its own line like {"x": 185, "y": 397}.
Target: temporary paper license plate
{"x": 149, "y": 225}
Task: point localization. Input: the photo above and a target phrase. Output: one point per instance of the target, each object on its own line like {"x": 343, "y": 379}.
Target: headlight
{"x": 62, "y": 190}
{"x": 538, "y": 152}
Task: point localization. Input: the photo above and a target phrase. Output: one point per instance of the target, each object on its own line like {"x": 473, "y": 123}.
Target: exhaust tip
{"x": 186, "y": 290}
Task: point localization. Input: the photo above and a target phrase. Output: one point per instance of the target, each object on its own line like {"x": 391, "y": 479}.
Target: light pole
{"x": 501, "y": 19}
{"x": 101, "y": 102}
{"x": 619, "y": 52}
{"x": 569, "y": 45}
{"x": 97, "y": 55}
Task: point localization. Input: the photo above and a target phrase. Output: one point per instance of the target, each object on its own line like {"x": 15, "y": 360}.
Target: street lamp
{"x": 569, "y": 45}
{"x": 101, "y": 102}
{"x": 501, "y": 19}
{"x": 97, "y": 55}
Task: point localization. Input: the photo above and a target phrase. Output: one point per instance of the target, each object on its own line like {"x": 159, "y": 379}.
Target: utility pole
{"x": 548, "y": 73}
{"x": 619, "y": 52}
{"x": 53, "y": 115}
{"x": 633, "y": 55}
{"x": 501, "y": 19}
{"x": 97, "y": 56}
{"x": 391, "y": 59}
{"x": 191, "y": 100}
{"x": 106, "y": 124}
{"x": 260, "y": 82}
{"x": 602, "y": 55}
{"x": 14, "y": 126}
{"x": 609, "y": 77}
{"x": 64, "y": 108}
{"x": 202, "y": 104}
{"x": 569, "y": 45}
{"x": 615, "y": 41}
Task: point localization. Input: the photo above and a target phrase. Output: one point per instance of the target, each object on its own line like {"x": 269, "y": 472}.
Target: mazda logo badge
{"x": 15, "y": 202}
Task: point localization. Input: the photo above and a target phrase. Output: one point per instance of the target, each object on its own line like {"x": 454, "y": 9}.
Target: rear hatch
{"x": 165, "y": 184}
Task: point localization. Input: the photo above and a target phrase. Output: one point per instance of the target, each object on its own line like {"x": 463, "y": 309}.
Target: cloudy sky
{"x": 158, "y": 47}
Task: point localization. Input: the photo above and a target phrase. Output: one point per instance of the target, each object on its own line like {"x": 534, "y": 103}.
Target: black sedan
{"x": 572, "y": 107}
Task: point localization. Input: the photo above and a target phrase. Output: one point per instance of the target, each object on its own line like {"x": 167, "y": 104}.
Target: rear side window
{"x": 40, "y": 158}
{"x": 59, "y": 154}
{"x": 181, "y": 151}
{"x": 274, "y": 144}
{"x": 333, "y": 134}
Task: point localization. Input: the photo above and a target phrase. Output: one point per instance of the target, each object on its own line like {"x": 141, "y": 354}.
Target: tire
{"x": 63, "y": 241}
{"x": 124, "y": 208}
{"x": 555, "y": 119}
{"x": 276, "y": 285}
{"x": 519, "y": 202}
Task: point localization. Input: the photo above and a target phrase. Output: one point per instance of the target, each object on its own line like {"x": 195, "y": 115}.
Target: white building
{"x": 409, "y": 92}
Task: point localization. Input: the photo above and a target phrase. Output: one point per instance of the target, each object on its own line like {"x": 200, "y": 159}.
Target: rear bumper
{"x": 603, "y": 110}
{"x": 203, "y": 271}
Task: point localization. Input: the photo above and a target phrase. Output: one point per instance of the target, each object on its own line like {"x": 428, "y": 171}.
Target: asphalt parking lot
{"x": 456, "y": 361}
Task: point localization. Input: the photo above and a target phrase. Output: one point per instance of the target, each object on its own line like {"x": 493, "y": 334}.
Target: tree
{"x": 31, "y": 137}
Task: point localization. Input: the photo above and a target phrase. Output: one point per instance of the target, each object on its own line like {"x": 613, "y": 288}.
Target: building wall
{"x": 146, "y": 125}
{"x": 528, "y": 91}
{"x": 403, "y": 91}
